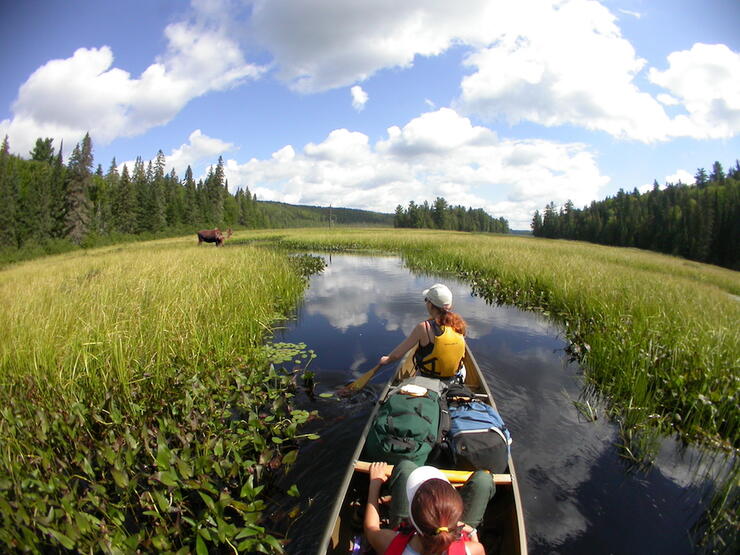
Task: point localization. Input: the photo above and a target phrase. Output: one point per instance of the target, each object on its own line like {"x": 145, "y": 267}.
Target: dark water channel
{"x": 579, "y": 495}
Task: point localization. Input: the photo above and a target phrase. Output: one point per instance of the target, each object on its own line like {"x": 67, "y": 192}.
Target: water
{"x": 579, "y": 495}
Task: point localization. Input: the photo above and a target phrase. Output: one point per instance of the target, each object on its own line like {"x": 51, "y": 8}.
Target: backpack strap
{"x": 399, "y": 543}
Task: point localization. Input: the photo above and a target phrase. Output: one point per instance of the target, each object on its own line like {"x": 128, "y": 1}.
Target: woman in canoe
{"x": 442, "y": 522}
{"x": 440, "y": 339}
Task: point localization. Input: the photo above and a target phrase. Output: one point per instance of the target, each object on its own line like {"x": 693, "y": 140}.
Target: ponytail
{"x": 453, "y": 320}
{"x": 436, "y": 510}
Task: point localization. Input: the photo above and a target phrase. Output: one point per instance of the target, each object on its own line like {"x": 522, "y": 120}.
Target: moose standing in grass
{"x": 213, "y": 236}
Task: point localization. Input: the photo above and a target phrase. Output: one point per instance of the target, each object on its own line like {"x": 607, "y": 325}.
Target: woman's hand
{"x": 379, "y": 471}
{"x": 385, "y": 359}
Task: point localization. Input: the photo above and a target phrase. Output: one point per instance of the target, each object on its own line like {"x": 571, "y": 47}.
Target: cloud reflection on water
{"x": 579, "y": 496}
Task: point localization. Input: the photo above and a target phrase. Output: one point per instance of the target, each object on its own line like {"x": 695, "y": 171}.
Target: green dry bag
{"x": 406, "y": 427}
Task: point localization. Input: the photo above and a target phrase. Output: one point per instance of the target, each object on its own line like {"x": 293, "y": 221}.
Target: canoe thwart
{"x": 454, "y": 476}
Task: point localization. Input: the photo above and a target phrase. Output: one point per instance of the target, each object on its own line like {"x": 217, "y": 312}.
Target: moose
{"x": 213, "y": 236}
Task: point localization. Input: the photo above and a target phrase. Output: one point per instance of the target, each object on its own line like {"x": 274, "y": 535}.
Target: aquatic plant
{"x": 139, "y": 410}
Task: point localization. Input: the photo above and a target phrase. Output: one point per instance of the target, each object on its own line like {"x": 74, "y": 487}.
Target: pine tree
{"x": 191, "y": 210}
{"x": 537, "y": 224}
{"x": 141, "y": 188}
{"x": 8, "y": 196}
{"x": 78, "y": 204}
{"x": 157, "y": 208}
{"x": 58, "y": 204}
{"x": 125, "y": 202}
{"x": 43, "y": 151}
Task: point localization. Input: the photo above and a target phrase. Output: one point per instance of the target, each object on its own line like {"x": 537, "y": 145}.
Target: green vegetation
{"x": 440, "y": 215}
{"x": 139, "y": 410}
{"x": 700, "y": 222}
{"x": 47, "y": 207}
{"x": 657, "y": 334}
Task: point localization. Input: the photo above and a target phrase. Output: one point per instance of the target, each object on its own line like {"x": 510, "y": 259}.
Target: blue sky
{"x": 504, "y": 105}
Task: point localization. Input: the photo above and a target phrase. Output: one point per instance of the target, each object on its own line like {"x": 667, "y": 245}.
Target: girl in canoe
{"x": 441, "y": 338}
{"x": 441, "y": 525}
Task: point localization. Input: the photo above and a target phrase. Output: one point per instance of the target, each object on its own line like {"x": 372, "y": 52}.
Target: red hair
{"x": 436, "y": 505}
{"x": 452, "y": 319}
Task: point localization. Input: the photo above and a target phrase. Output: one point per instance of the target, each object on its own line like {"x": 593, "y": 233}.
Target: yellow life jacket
{"x": 446, "y": 357}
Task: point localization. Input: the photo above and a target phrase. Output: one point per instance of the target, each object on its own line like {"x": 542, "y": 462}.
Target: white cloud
{"x": 323, "y": 44}
{"x": 667, "y": 99}
{"x": 199, "y": 149}
{"x": 436, "y": 154}
{"x": 680, "y": 175}
{"x": 359, "y": 98}
{"x": 65, "y": 98}
{"x": 568, "y": 64}
{"x": 556, "y": 62}
{"x": 705, "y": 80}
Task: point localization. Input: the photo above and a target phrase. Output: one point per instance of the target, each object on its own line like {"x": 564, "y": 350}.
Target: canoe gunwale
{"x": 404, "y": 369}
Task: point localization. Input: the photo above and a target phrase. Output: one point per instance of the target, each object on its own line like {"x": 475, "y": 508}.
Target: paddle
{"x": 360, "y": 382}
{"x": 454, "y": 476}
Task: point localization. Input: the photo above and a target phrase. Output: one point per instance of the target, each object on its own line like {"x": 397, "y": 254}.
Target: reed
{"x": 657, "y": 334}
{"x": 138, "y": 411}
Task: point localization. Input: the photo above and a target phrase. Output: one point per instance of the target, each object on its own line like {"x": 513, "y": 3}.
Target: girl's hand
{"x": 378, "y": 471}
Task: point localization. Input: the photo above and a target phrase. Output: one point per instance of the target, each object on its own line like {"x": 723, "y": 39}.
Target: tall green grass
{"x": 81, "y": 324}
{"x": 658, "y": 335}
{"x": 137, "y": 408}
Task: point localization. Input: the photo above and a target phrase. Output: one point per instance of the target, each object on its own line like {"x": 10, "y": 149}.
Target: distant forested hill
{"x": 700, "y": 222}
{"x": 279, "y": 214}
{"x": 47, "y": 206}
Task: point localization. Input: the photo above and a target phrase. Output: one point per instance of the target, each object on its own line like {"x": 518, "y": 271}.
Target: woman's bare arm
{"x": 379, "y": 538}
{"x": 416, "y": 335}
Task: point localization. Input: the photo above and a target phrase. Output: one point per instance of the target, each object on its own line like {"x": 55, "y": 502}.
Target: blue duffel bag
{"x": 478, "y": 438}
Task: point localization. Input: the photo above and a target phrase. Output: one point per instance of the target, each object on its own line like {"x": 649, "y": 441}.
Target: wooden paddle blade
{"x": 361, "y": 382}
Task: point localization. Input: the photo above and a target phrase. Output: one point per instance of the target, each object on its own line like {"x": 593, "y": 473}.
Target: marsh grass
{"x": 83, "y": 324}
{"x": 658, "y": 336}
{"x": 139, "y": 410}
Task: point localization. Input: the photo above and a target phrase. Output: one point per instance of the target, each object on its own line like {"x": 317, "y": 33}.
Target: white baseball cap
{"x": 439, "y": 295}
{"x": 419, "y": 476}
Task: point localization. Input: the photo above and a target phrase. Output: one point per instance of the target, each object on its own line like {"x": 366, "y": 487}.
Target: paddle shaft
{"x": 361, "y": 382}
{"x": 454, "y": 476}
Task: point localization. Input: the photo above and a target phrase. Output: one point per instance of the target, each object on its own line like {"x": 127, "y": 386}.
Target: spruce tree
{"x": 125, "y": 202}
{"x": 79, "y": 179}
{"x": 43, "y": 151}
{"x": 191, "y": 210}
{"x": 58, "y": 204}
{"x": 8, "y": 196}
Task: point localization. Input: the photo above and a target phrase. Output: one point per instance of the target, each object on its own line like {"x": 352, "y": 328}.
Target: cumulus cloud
{"x": 439, "y": 153}
{"x": 683, "y": 176}
{"x": 323, "y": 44}
{"x": 65, "y": 98}
{"x": 200, "y": 149}
{"x": 567, "y": 65}
{"x": 359, "y": 98}
{"x": 554, "y": 63}
{"x": 705, "y": 81}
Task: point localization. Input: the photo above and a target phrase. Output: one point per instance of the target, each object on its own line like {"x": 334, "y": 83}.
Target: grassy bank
{"x": 138, "y": 407}
{"x": 658, "y": 335}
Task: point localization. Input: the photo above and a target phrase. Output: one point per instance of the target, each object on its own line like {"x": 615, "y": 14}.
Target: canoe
{"x": 502, "y": 530}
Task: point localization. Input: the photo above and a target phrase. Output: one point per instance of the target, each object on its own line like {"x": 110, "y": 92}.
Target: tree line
{"x": 700, "y": 222}
{"x": 441, "y": 215}
{"x": 51, "y": 206}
